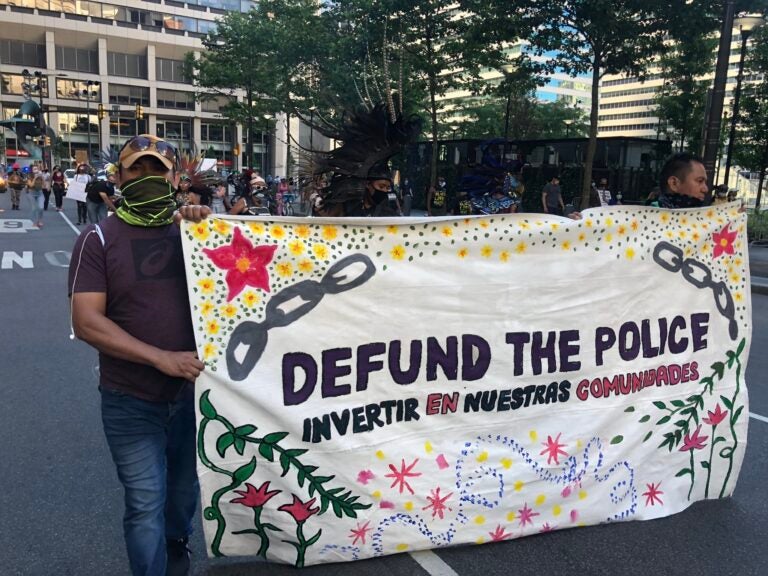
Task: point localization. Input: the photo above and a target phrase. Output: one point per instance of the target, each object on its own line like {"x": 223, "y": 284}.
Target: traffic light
{"x": 102, "y": 112}
{"x": 139, "y": 112}
{"x": 236, "y": 150}
{"x": 47, "y": 140}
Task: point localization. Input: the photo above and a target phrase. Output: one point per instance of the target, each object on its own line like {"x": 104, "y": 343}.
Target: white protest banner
{"x": 76, "y": 191}
{"x": 379, "y": 386}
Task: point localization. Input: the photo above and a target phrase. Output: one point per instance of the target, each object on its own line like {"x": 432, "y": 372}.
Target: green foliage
{"x": 751, "y": 143}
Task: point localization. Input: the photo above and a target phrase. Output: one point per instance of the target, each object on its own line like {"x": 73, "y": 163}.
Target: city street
{"x": 61, "y": 503}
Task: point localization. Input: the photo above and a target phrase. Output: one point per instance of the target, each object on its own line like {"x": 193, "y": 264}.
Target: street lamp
{"x": 507, "y": 69}
{"x": 746, "y": 24}
{"x": 87, "y": 93}
{"x": 312, "y": 127}
{"x": 568, "y": 122}
{"x": 454, "y": 128}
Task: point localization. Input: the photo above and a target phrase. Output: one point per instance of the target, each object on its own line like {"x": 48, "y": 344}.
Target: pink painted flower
{"x": 246, "y": 264}
{"x": 552, "y": 448}
{"x": 437, "y": 503}
{"x": 299, "y": 510}
{"x": 723, "y": 241}
{"x": 360, "y": 532}
{"x": 526, "y": 515}
{"x": 365, "y": 476}
{"x": 401, "y": 476}
{"x": 254, "y": 498}
{"x": 715, "y": 417}
{"x": 694, "y": 441}
{"x": 499, "y": 534}
{"x": 653, "y": 493}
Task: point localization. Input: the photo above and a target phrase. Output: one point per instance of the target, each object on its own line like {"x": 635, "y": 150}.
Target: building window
{"x": 170, "y": 70}
{"x": 215, "y": 104}
{"x": 173, "y": 130}
{"x": 77, "y": 90}
{"x": 175, "y": 22}
{"x": 215, "y": 133}
{"x": 77, "y": 59}
{"x": 12, "y": 84}
{"x": 128, "y": 65}
{"x": 121, "y": 94}
{"x": 175, "y": 99}
{"x": 22, "y": 53}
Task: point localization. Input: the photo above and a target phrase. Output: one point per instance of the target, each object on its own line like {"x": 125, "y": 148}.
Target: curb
{"x": 759, "y": 285}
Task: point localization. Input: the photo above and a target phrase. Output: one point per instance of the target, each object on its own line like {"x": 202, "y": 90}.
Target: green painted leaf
{"x": 660, "y": 405}
{"x": 617, "y": 439}
{"x": 336, "y": 508}
{"x": 740, "y": 349}
{"x": 324, "y": 505}
{"x": 225, "y": 441}
{"x": 294, "y": 452}
{"x": 705, "y": 464}
{"x": 300, "y": 477}
{"x": 737, "y": 414}
{"x": 245, "y": 471}
{"x": 719, "y": 369}
{"x": 266, "y": 451}
{"x": 683, "y": 472}
{"x": 206, "y": 408}
{"x": 644, "y": 419}
{"x": 664, "y": 419}
{"x": 245, "y": 430}
{"x": 629, "y": 409}
{"x": 647, "y": 436}
{"x": 275, "y": 437}
{"x": 314, "y": 538}
{"x": 682, "y": 423}
{"x": 727, "y": 402}
{"x": 349, "y": 512}
{"x": 678, "y": 403}
{"x": 239, "y": 445}
{"x": 285, "y": 464}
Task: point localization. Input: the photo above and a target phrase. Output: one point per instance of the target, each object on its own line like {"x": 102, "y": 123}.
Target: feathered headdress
{"x": 370, "y": 138}
{"x": 189, "y": 169}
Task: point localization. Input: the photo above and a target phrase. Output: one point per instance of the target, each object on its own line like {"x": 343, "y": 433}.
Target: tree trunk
{"x": 586, "y": 184}
{"x": 763, "y": 167}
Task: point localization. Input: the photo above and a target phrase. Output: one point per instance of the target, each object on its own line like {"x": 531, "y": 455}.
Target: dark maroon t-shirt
{"x": 142, "y": 272}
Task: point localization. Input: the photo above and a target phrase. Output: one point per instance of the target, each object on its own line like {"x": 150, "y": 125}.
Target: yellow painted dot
{"x": 480, "y": 540}
{"x": 582, "y": 494}
{"x": 533, "y": 435}
{"x": 428, "y": 447}
{"x": 556, "y": 510}
{"x": 510, "y": 516}
{"x": 581, "y": 524}
{"x": 480, "y": 520}
{"x": 408, "y": 505}
{"x": 579, "y": 443}
{"x": 402, "y": 547}
{"x": 540, "y": 499}
{"x": 379, "y": 454}
{"x": 376, "y": 494}
{"x": 483, "y": 456}
{"x": 519, "y": 485}
{"x": 506, "y": 462}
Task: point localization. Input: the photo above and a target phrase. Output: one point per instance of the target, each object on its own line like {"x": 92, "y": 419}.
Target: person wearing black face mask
{"x": 129, "y": 301}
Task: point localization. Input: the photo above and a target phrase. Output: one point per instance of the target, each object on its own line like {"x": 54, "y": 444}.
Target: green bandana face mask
{"x": 147, "y": 201}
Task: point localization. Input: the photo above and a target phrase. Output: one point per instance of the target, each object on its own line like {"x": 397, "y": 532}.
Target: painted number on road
{"x": 16, "y": 226}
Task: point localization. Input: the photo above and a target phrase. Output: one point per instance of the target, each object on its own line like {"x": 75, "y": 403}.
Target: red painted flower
{"x": 552, "y": 448}
{"x": 246, "y": 264}
{"x": 299, "y": 510}
{"x": 723, "y": 241}
{"x": 360, "y": 532}
{"x": 693, "y": 441}
{"x": 254, "y": 498}
{"x": 715, "y": 417}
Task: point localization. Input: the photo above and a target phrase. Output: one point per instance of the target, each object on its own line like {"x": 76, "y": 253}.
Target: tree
{"x": 751, "y": 143}
{"x": 682, "y": 101}
{"x": 240, "y": 55}
{"x": 588, "y": 36}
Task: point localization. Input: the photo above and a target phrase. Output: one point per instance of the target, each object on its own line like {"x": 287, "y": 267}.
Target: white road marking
{"x": 23, "y": 260}
{"x": 68, "y": 221}
{"x": 16, "y": 225}
{"x": 433, "y": 564}
{"x": 758, "y": 417}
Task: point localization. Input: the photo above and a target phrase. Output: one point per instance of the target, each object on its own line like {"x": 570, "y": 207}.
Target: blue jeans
{"x": 153, "y": 447}
{"x": 96, "y": 212}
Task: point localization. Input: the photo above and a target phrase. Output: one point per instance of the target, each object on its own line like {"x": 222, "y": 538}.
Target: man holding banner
{"x": 129, "y": 301}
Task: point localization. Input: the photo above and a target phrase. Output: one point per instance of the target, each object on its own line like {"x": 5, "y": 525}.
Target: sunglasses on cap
{"x": 142, "y": 144}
